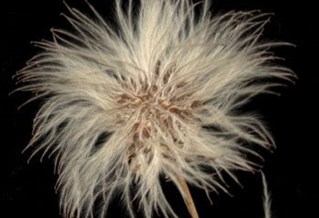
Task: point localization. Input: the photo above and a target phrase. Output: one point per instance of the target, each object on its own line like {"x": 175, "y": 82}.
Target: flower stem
{"x": 187, "y": 196}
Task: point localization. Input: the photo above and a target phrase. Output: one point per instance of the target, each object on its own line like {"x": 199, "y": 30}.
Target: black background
{"x": 27, "y": 190}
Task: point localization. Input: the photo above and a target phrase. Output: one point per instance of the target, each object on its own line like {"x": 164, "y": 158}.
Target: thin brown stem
{"x": 187, "y": 196}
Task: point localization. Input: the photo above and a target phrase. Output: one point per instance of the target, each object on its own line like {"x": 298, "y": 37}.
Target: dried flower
{"x": 126, "y": 106}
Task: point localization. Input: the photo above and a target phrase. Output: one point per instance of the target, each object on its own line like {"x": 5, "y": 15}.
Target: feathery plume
{"x": 155, "y": 97}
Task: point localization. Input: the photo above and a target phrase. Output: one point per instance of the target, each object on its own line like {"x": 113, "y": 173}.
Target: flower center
{"x": 157, "y": 122}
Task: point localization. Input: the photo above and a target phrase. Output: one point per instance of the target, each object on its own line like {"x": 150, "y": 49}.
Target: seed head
{"x": 157, "y": 96}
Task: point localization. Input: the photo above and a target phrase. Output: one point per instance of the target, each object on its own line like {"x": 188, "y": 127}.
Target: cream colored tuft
{"x": 157, "y": 96}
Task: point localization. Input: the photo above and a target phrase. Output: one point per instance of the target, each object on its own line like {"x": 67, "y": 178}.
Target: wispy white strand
{"x": 155, "y": 97}
{"x": 266, "y": 198}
